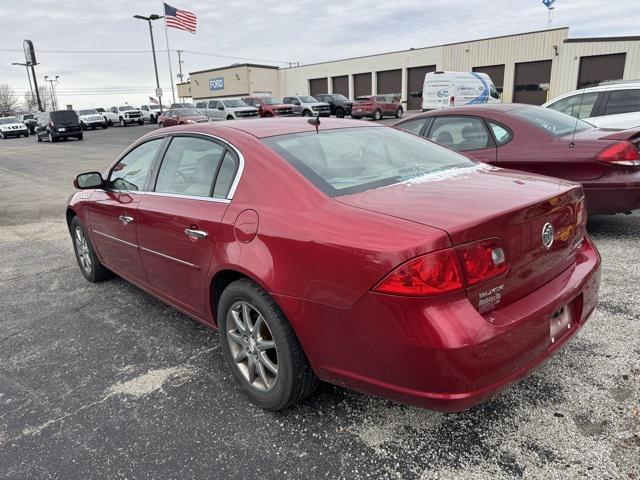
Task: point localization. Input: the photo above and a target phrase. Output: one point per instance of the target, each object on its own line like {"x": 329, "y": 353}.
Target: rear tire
{"x": 88, "y": 262}
{"x": 122, "y": 122}
{"x": 83, "y": 126}
{"x": 52, "y": 139}
{"x": 140, "y": 122}
{"x": 259, "y": 344}
{"x": 230, "y": 117}
{"x": 80, "y": 137}
{"x": 339, "y": 113}
{"x": 38, "y": 137}
{"x": 105, "y": 125}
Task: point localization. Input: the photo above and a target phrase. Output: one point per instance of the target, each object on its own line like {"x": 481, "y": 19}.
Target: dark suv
{"x": 339, "y": 104}
{"x": 57, "y": 125}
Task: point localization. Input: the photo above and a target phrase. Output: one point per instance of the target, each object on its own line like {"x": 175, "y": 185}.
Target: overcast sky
{"x": 263, "y": 31}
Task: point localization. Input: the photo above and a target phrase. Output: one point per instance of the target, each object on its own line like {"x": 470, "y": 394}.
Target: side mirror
{"x": 88, "y": 180}
{"x": 296, "y": 103}
{"x": 220, "y": 107}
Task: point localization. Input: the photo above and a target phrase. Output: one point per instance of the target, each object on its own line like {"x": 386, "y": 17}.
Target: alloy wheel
{"x": 83, "y": 250}
{"x": 252, "y": 346}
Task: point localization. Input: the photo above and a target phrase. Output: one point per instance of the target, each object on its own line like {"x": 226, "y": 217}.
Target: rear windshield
{"x": 363, "y": 99}
{"x": 353, "y": 160}
{"x": 63, "y": 116}
{"x": 552, "y": 121}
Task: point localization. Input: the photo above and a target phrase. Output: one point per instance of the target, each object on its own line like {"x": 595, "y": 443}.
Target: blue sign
{"x": 216, "y": 83}
{"x": 548, "y": 3}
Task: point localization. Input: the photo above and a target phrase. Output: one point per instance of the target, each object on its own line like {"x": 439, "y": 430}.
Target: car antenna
{"x": 315, "y": 122}
{"x": 573, "y": 136}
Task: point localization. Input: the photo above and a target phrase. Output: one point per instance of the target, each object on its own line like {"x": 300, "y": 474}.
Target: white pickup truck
{"x": 150, "y": 112}
{"x": 127, "y": 114}
{"x": 108, "y": 115}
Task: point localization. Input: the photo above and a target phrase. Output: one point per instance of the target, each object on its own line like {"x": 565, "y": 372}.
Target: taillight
{"x": 431, "y": 274}
{"x": 482, "y": 260}
{"x": 621, "y": 153}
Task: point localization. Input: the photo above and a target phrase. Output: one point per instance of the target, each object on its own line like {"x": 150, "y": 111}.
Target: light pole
{"x": 149, "y": 19}
{"x": 54, "y": 100}
{"x": 26, "y": 65}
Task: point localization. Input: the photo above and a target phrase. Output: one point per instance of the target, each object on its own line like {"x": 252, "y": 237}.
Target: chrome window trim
{"x": 188, "y": 197}
{"x": 182, "y": 262}
{"x": 115, "y": 238}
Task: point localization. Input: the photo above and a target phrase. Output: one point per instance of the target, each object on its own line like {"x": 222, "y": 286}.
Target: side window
{"x": 201, "y": 105}
{"x": 494, "y": 93}
{"x": 114, "y": 110}
{"x": 144, "y": 108}
{"x": 578, "y": 106}
{"x": 286, "y": 100}
{"x": 500, "y": 133}
{"x": 413, "y": 126}
{"x": 212, "y": 104}
{"x": 380, "y": 99}
{"x": 623, "y": 101}
{"x": 132, "y": 172}
{"x": 189, "y": 166}
{"x": 460, "y": 133}
{"x": 225, "y": 176}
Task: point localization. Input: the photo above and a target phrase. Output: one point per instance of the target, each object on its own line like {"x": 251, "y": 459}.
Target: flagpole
{"x": 166, "y": 36}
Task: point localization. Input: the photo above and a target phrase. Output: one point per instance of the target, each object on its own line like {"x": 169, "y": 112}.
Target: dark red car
{"x": 542, "y": 140}
{"x": 269, "y": 106}
{"x": 181, "y": 116}
{"x": 376, "y": 107}
{"x": 357, "y": 253}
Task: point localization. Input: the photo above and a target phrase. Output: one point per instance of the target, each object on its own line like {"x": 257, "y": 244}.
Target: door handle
{"x": 195, "y": 233}
{"x": 125, "y": 219}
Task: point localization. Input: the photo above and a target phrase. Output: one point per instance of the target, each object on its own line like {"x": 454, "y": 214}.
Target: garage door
{"x": 496, "y": 74}
{"x": 361, "y": 84}
{"x": 532, "y": 82}
{"x": 390, "y": 82}
{"x": 341, "y": 85}
{"x": 601, "y": 68}
{"x": 415, "y": 81}
{"x": 318, "y": 85}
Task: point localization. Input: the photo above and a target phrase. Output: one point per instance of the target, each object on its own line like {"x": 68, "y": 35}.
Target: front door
{"x": 180, "y": 219}
{"x": 113, "y": 212}
{"x": 465, "y": 134}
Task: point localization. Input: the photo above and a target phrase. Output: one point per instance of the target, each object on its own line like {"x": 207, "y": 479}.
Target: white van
{"x": 448, "y": 89}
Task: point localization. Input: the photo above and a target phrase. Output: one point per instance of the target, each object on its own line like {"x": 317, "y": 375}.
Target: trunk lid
{"x": 484, "y": 202}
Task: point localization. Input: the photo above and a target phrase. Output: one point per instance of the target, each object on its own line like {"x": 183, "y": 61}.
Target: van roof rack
{"x": 614, "y": 82}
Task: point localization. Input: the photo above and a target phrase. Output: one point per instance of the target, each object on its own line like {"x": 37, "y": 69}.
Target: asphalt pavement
{"x": 104, "y": 381}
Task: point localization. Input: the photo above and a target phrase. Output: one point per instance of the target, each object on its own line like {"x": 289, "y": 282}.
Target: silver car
{"x": 307, "y": 106}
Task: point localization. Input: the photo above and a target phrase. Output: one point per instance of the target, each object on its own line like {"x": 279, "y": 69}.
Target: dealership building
{"x": 529, "y": 67}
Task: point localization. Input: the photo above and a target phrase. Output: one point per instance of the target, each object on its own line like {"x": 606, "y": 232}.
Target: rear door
{"x": 465, "y": 134}
{"x": 113, "y": 212}
{"x": 180, "y": 219}
{"x": 619, "y": 109}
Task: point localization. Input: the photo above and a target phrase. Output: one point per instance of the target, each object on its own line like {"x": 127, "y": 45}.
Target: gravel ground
{"x": 104, "y": 381}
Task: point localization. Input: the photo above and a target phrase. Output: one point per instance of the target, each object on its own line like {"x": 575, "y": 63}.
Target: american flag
{"x": 182, "y": 19}
{"x": 153, "y": 101}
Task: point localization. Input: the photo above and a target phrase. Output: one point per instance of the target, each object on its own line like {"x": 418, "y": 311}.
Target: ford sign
{"x": 216, "y": 84}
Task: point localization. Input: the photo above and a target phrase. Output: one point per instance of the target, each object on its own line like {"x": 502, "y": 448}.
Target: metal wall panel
{"x": 389, "y": 81}
{"x": 318, "y": 85}
{"x": 361, "y": 84}
{"x": 415, "y": 82}
{"x": 532, "y": 82}
{"x": 341, "y": 85}
{"x": 600, "y": 68}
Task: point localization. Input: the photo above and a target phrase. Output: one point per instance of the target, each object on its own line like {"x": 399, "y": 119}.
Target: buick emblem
{"x": 547, "y": 235}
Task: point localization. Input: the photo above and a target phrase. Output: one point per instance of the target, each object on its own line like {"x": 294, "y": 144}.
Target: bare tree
{"x": 8, "y": 99}
{"x": 31, "y": 102}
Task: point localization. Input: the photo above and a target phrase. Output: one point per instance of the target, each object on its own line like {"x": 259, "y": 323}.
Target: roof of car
{"x": 272, "y": 127}
{"x": 485, "y": 107}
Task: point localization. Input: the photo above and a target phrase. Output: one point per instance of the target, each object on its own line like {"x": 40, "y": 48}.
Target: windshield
{"x": 7, "y": 120}
{"x": 268, "y": 101}
{"x": 235, "y": 103}
{"x": 307, "y": 99}
{"x": 28, "y": 116}
{"x": 64, "y": 116}
{"x": 353, "y": 160}
{"x": 551, "y": 121}
{"x": 125, "y": 108}
{"x": 187, "y": 112}
{"x": 101, "y": 110}
{"x": 88, "y": 112}
{"x": 340, "y": 97}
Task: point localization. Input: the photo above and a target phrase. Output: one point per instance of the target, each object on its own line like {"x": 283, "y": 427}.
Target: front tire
{"x": 88, "y": 262}
{"x": 229, "y": 117}
{"x": 161, "y": 125}
{"x": 306, "y": 113}
{"x": 339, "y": 113}
{"x": 377, "y": 115}
{"x": 399, "y": 113}
{"x": 261, "y": 348}
{"x": 80, "y": 137}
{"x": 105, "y": 125}
{"x": 140, "y": 122}
{"x": 122, "y": 122}
{"x": 38, "y": 137}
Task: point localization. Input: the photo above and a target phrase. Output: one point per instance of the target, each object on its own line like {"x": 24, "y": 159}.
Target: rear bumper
{"x": 441, "y": 354}
{"x": 362, "y": 113}
{"x": 618, "y": 193}
{"x": 67, "y": 134}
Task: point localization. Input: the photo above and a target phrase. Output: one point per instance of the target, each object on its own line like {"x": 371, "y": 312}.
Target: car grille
{"x": 283, "y": 111}
{"x": 246, "y": 114}
{"x": 320, "y": 108}
{"x": 95, "y": 119}
{"x": 15, "y": 127}
{"x": 134, "y": 114}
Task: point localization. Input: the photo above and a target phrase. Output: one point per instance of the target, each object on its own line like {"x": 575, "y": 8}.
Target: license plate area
{"x": 560, "y": 323}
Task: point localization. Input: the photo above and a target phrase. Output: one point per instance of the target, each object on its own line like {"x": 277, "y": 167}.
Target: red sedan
{"x": 544, "y": 141}
{"x": 357, "y": 254}
{"x": 181, "y": 116}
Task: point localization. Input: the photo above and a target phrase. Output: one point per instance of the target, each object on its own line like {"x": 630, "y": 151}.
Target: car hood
{"x": 11, "y": 125}
{"x": 242, "y": 109}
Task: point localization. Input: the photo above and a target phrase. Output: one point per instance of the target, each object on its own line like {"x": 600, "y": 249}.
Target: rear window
{"x": 353, "y": 160}
{"x": 64, "y": 116}
{"x": 551, "y": 121}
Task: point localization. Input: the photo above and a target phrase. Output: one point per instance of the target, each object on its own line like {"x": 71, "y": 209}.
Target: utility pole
{"x": 54, "y": 100}
{"x": 180, "y": 62}
{"x": 153, "y": 50}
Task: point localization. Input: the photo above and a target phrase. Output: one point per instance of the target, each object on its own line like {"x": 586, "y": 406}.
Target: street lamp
{"x": 54, "y": 101}
{"x": 26, "y": 65}
{"x": 149, "y": 19}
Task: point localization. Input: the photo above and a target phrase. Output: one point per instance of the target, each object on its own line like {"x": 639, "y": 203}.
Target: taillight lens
{"x": 621, "y": 153}
{"x": 431, "y": 274}
{"x": 482, "y": 260}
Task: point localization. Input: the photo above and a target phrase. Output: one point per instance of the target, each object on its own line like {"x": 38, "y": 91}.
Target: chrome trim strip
{"x": 171, "y": 258}
{"x": 114, "y": 238}
{"x": 189, "y": 197}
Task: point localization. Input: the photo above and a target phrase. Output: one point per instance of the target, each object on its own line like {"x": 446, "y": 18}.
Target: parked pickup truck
{"x": 269, "y": 106}
{"x": 150, "y": 113}
{"x": 227, "y": 109}
{"x": 127, "y": 114}
{"x": 91, "y": 118}
{"x": 307, "y": 106}
{"x": 108, "y": 115}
